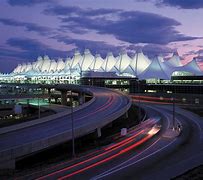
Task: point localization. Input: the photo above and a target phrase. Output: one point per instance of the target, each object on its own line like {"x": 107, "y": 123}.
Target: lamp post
{"x": 72, "y": 121}
{"x": 138, "y": 87}
{"x": 38, "y": 109}
{"x": 173, "y": 99}
{"x": 139, "y": 119}
{"x": 173, "y": 113}
{"x": 72, "y": 124}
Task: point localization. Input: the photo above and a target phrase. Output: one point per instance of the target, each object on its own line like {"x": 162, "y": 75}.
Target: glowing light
{"x": 154, "y": 130}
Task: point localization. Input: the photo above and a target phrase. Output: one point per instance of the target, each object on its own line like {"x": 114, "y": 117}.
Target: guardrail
{"x": 9, "y": 155}
{"x": 59, "y": 138}
{"x": 44, "y": 119}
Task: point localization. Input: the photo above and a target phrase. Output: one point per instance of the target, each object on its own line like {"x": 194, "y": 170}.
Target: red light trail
{"x": 126, "y": 144}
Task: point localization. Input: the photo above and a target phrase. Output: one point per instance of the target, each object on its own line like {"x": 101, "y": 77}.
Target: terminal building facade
{"x": 120, "y": 71}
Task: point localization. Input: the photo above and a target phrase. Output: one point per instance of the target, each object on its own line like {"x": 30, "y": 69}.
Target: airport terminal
{"x": 92, "y": 110}
{"x": 121, "y": 72}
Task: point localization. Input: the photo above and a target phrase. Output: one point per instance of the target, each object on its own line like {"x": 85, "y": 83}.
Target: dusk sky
{"x": 56, "y": 28}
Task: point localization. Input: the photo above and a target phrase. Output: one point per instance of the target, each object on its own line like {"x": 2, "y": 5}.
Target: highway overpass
{"x": 105, "y": 106}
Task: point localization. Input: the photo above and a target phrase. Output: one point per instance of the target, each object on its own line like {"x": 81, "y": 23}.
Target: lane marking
{"x": 98, "y": 176}
{"x": 121, "y": 168}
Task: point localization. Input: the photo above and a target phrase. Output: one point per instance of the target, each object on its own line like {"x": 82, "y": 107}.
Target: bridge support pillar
{"x": 98, "y": 132}
{"x": 81, "y": 98}
{"x": 126, "y": 115}
{"x": 64, "y": 98}
{"x": 49, "y": 94}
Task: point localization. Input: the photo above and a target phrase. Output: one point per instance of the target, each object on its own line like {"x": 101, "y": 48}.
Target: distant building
{"x": 71, "y": 70}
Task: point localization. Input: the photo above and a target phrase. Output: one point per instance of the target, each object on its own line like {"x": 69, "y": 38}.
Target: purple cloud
{"x": 131, "y": 26}
{"x": 152, "y": 50}
{"x": 30, "y": 50}
{"x": 182, "y": 4}
{"x": 95, "y": 46}
{"x": 28, "y": 26}
{"x": 73, "y": 10}
{"x": 27, "y": 2}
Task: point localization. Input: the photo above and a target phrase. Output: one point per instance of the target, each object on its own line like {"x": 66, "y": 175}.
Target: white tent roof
{"x": 139, "y": 66}
{"x": 67, "y": 64}
{"x": 109, "y": 63}
{"x": 123, "y": 62}
{"x": 53, "y": 66}
{"x": 160, "y": 58}
{"x": 29, "y": 67}
{"x": 76, "y": 59}
{"x": 97, "y": 63}
{"x": 139, "y": 63}
{"x": 23, "y": 68}
{"x": 34, "y": 66}
{"x": 192, "y": 67}
{"x": 46, "y": 64}
{"x": 17, "y": 69}
{"x": 86, "y": 61}
{"x": 60, "y": 65}
{"x": 156, "y": 70}
{"x": 39, "y": 63}
{"x": 174, "y": 61}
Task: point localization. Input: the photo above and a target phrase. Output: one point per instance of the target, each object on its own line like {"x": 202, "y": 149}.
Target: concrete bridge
{"x": 26, "y": 138}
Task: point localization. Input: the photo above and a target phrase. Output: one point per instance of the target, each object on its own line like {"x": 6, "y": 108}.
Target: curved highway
{"x": 107, "y": 106}
{"x": 141, "y": 155}
{"x": 167, "y": 157}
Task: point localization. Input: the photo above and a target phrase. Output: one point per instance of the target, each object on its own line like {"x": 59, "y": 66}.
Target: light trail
{"x": 143, "y": 158}
{"x": 151, "y": 97}
{"x": 132, "y": 158}
{"x": 153, "y": 102}
{"x": 93, "y": 158}
{"x": 104, "y": 106}
{"x": 109, "y": 158}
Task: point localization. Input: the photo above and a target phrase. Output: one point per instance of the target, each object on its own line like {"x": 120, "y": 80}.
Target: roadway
{"x": 165, "y": 160}
{"x": 140, "y": 155}
{"x": 108, "y": 106}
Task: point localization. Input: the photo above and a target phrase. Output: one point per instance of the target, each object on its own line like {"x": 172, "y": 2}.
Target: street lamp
{"x": 72, "y": 124}
{"x": 173, "y": 99}
{"x": 138, "y": 87}
{"x": 72, "y": 121}
{"x": 38, "y": 108}
{"x": 139, "y": 119}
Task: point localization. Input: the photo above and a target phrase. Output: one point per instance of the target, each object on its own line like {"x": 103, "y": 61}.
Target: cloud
{"x": 199, "y": 58}
{"x": 200, "y": 52}
{"x": 28, "y": 26}
{"x": 95, "y": 46}
{"x": 132, "y": 27}
{"x": 28, "y": 2}
{"x": 182, "y": 4}
{"x": 153, "y": 50}
{"x": 77, "y": 11}
{"x": 32, "y": 48}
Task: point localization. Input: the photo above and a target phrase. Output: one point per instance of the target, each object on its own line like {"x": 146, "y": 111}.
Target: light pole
{"x": 72, "y": 124}
{"x": 174, "y": 93}
{"x": 38, "y": 108}
{"x": 72, "y": 121}
{"x": 138, "y": 87}
{"x": 138, "y": 101}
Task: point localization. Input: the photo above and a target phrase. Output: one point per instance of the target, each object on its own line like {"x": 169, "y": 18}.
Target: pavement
{"x": 108, "y": 106}
{"x": 164, "y": 156}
